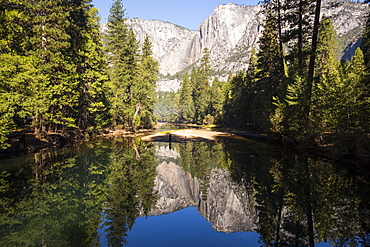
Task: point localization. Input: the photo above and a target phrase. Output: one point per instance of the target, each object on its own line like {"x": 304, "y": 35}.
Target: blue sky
{"x": 186, "y": 13}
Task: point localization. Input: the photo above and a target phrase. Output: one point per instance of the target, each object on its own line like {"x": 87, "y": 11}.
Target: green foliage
{"x": 270, "y": 74}
{"x": 273, "y": 96}
{"x": 199, "y": 101}
{"x": 200, "y": 79}
{"x": 238, "y": 102}
{"x": 54, "y": 57}
{"x": 217, "y": 99}
{"x": 16, "y": 75}
{"x": 57, "y": 198}
{"x": 167, "y": 107}
{"x": 187, "y": 110}
{"x": 132, "y": 76}
{"x": 148, "y": 70}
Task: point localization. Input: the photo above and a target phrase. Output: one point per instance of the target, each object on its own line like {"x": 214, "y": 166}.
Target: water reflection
{"x": 302, "y": 201}
{"x": 198, "y": 177}
{"x": 289, "y": 199}
{"x": 57, "y": 198}
{"x": 62, "y": 198}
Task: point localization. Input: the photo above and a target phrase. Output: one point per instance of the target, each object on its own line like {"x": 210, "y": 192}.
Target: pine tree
{"x": 326, "y": 93}
{"x": 270, "y": 75}
{"x": 276, "y": 7}
{"x": 311, "y": 68}
{"x": 365, "y": 46}
{"x": 146, "y": 86}
{"x": 216, "y": 100}
{"x": 240, "y": 92}
{"x": 93, "y": 105}
{"x": 186, "y": 100}
{"x": 298, "y": 17}
{"x": 355, "y": 106}
{"x": 123, "y": 56}
{"x": 200, "y": 80}
{"x": 132, "y": 75}
{"x": 51, "y": 42}
{"x": 53, "y": 50}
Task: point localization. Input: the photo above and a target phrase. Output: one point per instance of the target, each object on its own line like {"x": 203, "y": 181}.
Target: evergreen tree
{"x": 298, "y": 17}
{"x": 354, "y": 106}
{"x": 270, "y": 75}
{"x": 186, "y": 100}
{"x": 200, "y": 79}
{"x": 366, "y": 51}
{"x": 53, "y": 50}
{"x": 311, "y": 68}
{"x": 365, "y": 46}
{"x": 132, "y": 76}
{"x": 123, "y": 61}
{"x": 51, "y": 41}
{"x": 276, "y": 7}
{"x": 326, "y": 93}
{"x": 238, "y": 101}
{"x": 16, "y": 69}
{"x": 216, "y": 100}
{"x": 240, "y": 93}
{"x": 17, "y": 75}
{"x": 148, "y": 78}
{"x": 116, "y": 38}
{"x": 91, "y": 68}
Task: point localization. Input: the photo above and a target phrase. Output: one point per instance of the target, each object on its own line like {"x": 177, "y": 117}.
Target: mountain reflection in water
{"x": 93, "y": 194}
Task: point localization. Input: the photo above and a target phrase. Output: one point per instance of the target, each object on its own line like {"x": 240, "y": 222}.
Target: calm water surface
{"x": 223, "y": 193}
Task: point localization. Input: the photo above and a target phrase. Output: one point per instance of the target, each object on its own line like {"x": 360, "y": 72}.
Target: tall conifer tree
{"x": 117, "y": 41}
{"x": 326, "y": 92}
{"x": 186, "y": 100}
{"x": 201, "y": 87}
{"x": 147, "y": 83}
{"x": 270, "y": 73}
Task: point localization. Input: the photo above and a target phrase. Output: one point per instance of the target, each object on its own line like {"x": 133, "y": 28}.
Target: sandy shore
{"x": 189, "y": 135}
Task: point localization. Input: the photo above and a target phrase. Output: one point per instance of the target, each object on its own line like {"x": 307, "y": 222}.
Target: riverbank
{"x": 22, "y": 142}
{"x": 329, "y": 151}
{"x": 26, "y": 141}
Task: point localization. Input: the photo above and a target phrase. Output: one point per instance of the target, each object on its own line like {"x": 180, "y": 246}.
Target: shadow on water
{"x": 63, "y": 198}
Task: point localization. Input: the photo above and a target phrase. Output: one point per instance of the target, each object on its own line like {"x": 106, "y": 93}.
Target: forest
{"x": 59, "y": 74}
{"x": 295, "y": 89}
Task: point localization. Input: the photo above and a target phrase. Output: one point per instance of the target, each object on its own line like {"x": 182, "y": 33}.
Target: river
{"x": 226, "y": 192}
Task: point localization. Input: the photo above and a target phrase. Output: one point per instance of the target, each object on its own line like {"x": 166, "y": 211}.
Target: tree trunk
{"x": 280, "y": 38}
{"x": 311, "y": 68}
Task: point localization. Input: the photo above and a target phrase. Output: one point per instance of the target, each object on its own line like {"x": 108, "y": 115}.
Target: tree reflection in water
{"x": 131, "y": 182}
{"x": 301, "y": 200}
{"x": 57, "y": 198}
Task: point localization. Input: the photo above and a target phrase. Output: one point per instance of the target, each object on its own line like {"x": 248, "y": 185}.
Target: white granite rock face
{"x": 170, "y": 43}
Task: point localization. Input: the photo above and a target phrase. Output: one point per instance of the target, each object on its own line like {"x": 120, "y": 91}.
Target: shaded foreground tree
{"x": 54, "y": 72}
{"x": 54, "y": 53}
